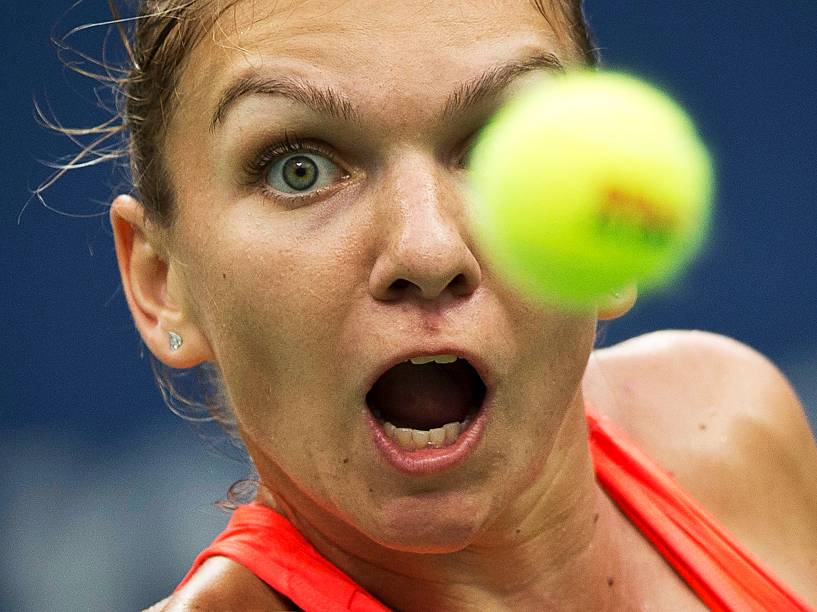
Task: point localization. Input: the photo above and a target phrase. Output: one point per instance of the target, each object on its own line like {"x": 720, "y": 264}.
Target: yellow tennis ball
{"x": 588, "y": 182}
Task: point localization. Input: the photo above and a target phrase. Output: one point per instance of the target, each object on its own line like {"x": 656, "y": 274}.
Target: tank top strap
{"x": 724, "y": 575}
{"x": 268, "y": 545}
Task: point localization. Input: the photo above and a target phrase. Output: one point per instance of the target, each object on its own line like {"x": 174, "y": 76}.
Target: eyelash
{"x": 259, "y": 164}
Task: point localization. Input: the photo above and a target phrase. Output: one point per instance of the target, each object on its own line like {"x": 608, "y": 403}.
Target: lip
{"x": 428, "y": 461}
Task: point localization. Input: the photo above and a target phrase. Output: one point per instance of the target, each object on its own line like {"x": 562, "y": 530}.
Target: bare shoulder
{"x": 708, "y": 390}
{"x": 221, "y": 584}
{"x": 729, "y": 427}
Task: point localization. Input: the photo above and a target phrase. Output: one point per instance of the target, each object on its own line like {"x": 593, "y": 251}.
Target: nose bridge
{"x": 422, "y": 199}
{"x": 422, "y": 216}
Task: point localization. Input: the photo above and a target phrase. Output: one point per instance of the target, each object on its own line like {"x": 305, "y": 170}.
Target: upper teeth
{"x": 434, "y": 358}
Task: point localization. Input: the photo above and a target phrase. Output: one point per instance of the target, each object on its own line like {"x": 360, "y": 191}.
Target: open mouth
{"x": 426, "y": 401}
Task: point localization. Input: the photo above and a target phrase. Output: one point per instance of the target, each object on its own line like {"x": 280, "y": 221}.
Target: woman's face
{"x": 303, "y": 300}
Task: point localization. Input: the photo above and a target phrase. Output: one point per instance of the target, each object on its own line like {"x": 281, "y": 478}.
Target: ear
{"x": 152, "y": 290}
{"x": 618, "y": 305}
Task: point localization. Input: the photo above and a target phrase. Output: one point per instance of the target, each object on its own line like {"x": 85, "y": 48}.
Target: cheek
{"x": 550, "y": 352}
{"x": 263, "y": 282}
{"x": 273, "y": 299}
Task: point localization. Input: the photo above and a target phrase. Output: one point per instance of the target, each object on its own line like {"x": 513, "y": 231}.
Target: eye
{"x": 293, "y": 169}
{"x": 296, "y": 174}
{"x": 465, "y": 156}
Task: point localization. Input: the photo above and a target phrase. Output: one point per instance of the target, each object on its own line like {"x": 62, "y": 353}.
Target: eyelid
{"x": 289, "y": 145}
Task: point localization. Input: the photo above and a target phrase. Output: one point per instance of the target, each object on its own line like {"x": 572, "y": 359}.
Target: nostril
{"x": 459, "y": 283}
{"x": 400, "y": 284}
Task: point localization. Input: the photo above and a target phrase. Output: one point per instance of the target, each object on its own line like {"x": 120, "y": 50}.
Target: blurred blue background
{"x": 107, "y": 496}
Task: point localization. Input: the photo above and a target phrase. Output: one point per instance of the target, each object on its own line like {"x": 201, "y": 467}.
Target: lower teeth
{"x": 417, "y": 439}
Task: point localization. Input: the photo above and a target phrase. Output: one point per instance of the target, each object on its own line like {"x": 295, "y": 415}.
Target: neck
{"x": 559, "y": 545}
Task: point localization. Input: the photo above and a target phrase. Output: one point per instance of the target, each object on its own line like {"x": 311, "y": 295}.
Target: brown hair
{"x": 157, "y": 41}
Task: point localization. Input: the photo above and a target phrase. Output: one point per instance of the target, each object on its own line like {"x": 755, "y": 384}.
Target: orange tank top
{"x": 717, "y": 568}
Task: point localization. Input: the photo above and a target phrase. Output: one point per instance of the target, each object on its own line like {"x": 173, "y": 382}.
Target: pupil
{"x": 300, "y": 172}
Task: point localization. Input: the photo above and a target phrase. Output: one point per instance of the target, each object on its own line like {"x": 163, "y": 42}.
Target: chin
{"x": 427, "y": 524}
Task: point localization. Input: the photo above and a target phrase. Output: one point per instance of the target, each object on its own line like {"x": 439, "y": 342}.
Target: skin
{"x": 299, "y": 304}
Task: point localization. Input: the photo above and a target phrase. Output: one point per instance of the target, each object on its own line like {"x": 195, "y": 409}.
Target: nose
{"x": 425, "y": 249}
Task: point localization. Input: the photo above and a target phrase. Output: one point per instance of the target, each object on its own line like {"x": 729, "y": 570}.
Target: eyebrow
{"x": 331, "y": 103}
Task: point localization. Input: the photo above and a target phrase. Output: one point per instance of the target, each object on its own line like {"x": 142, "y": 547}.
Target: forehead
{"x": 371, "y": 49}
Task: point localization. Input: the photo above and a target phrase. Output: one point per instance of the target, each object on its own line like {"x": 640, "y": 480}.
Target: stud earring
{"x": 175, "y": 341}
{"x": 617, "y": 295}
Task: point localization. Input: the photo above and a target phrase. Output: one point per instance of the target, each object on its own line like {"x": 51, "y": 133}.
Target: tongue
{"x": 424, "y": 396}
